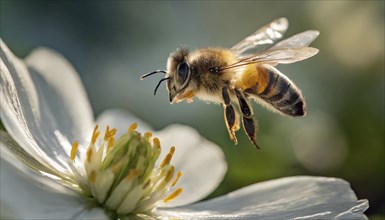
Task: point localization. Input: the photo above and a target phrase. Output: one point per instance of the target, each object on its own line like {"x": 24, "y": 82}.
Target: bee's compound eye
{"x": 183, "y": 71}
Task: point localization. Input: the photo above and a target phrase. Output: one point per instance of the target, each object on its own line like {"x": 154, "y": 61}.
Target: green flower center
{"x": 121, "y": 175}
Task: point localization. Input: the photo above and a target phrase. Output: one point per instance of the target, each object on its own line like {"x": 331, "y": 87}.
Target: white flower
{"x": 45, "y": 174}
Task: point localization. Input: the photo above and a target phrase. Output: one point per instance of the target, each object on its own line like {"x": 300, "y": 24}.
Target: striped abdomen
{"x": 277, "y": 90}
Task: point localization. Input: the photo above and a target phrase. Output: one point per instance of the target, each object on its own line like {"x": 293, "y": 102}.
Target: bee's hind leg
{"x": 231, "y": 116}
{"x": 247, "y": 116}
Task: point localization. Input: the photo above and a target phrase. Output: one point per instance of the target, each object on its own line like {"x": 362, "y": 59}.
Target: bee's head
{"x": 178, "y": 73}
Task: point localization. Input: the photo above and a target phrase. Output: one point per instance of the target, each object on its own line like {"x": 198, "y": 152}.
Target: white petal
{"x": 286, "y": 198}
{"x": 43, "y": 104}
{"x": 121, "y": 120}
{"x": 95, "y": 213}
{"x": 10, "y": 151}
{"x": 23, "y": 197}
{"x": 201, "y": 161}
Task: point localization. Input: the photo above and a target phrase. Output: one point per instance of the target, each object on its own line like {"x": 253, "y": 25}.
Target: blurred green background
{"x": 111, "y": 43}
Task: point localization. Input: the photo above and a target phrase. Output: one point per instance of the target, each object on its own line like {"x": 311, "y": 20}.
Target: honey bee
{"x": 236, "y": 76}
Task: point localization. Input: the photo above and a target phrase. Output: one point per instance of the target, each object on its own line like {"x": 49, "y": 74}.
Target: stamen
{"x": 168, "y": 157}
{"x": 156, "y": 142}
{"x": 166, "y": 160}
{"x": 173, "y": 195}
{"x": 106, "y": 132}
{"x": 95, "y": 129}
{"x": 110, "y": 143}
{"x": 109, "y": 133}
{"x": 74, "y": 150}
{"x": 121, "y": 174}
{"x": 178, "y": 175}
{"x": 147, "y": 134}
{"x": 172, "y": 150}
{"x": 95, "y": 134}
{"x": 169, "y": 174}
{"x": 89, "y": 154}
{"x": 92, "y": 177}
{"x": 113, "y": 131}
{"x": 95, "y": 137}
{"x": 132, "y": 127}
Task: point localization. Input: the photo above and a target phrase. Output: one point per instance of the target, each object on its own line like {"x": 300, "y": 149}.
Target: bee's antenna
{"x": 160, "y": 81}
{"x": 152, "y": 73}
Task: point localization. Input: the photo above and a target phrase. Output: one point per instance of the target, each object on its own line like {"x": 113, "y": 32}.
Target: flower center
{"x": 121, "y": 175}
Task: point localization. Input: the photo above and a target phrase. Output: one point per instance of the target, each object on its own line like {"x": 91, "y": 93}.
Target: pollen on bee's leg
{"x": 132, "y": 127}
{"x": 173, "y": 195}
{"x": 74, "y": 150}
{"x": 178, "y": 175}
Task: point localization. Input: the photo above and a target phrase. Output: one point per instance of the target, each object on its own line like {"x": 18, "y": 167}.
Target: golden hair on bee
{"x": 236, "y": 76}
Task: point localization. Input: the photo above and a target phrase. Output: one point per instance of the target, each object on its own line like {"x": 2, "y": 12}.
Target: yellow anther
{"x": 166, "y": 160}
{"x": 95, "y": 136}
{"x": 74, "y": 150}
{"x": 132, "y": 127}
{"x": 92, "y": 177}
{"x": 172, "y": 150}
{"x": 109, "y": 133}
{"x": 156, "y": 142}
{"x": 89, "y": 154}
{"x": 110, "y": 143}
{"x": 95, "y": 129}
{"x": 113, "y": 132}
{"x": 178, "y": 175}
{"x": 173, "y": 195}
{"x": 106, "y": 132}
{"x": 170, "y": 173}
{"x": 132, "y": 174}
{"x": 147, "y": 134}
{"x": 168, "y": 157}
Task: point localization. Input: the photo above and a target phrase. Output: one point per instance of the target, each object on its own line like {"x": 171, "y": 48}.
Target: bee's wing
{"x": 276, "y": 56}
{"x": 267, "y": 34}
{"x": 290, "y": 50}
{"x": 283, "y": 56}
{"x": 302, "y": 39}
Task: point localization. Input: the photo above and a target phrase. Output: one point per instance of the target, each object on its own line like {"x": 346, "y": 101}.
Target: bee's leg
{"x": 231, "y": 117}
{"x": 247, "y": 116}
